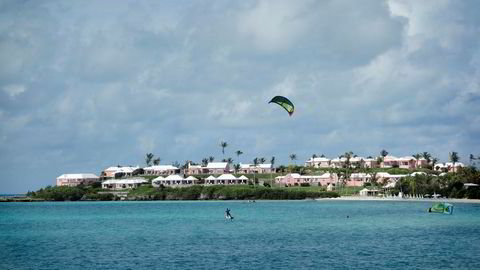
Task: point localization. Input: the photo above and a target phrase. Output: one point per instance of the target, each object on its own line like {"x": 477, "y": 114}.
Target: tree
{"x": 314, "y": 156}
{"x": 255, "y": 163}
{"x": 238, "y": 152}
{"x": 434, "y": 161}
{"x": 262, "y": 160}
{"x": 272, "y": 161}
{"x": 236, "y": 167}
{"x": 223, "y": 145}
{"x": 230, "y": 160}
{"x": 472, "y": 158}
{"x": 204, "y": 162}
{"x": 384, "y": 153}
{"x": 417, "y": 157}
{"x": 156, "y": 161}
{"x": 293, "y": 157}
{"x": 211, "y": 159}
{"x": 148, "y": 158}
{"x": 454, "y": 158}
{"x": 322, "y": 155}
{"x": 427, "y": 157}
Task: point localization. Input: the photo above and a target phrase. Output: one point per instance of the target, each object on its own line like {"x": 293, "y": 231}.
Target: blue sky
{"x": 85, "y": 85}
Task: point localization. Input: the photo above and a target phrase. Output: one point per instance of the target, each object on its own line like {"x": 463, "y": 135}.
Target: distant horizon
{"x": 90, "y": 84}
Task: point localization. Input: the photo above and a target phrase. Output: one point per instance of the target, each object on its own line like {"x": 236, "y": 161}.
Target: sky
{"x": 85, "y": 85}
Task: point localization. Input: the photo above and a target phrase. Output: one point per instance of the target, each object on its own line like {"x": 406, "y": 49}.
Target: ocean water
{"x": 263, "y": 235}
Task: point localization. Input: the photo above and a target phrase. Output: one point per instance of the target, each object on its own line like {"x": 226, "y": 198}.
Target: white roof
{"x": 126, "y": 169}
{"x": 457, "y": 164}
{"x": 191, "y": 178}
{"x": 217, "y": 165}
{"x": 126, "y": 181}
{"x": 226, "y": 177}
{"x": 158, "y": 178}
{"x": 243, "y": 177}
{"x": 265, "y": 166}
{"x": 418, "y": 173}
{"x": 319, "y": 159}
{"x": 78, "y": 176}
{"x": 174, "y": 177}
{"x": 211, "y": 177}
{"x": 161, "y": 168}
{"x": 359, "y": 175}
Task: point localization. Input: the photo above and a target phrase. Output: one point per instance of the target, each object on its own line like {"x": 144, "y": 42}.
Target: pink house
{"x": 295, "y": 179}
{"x": 75, "y": 179}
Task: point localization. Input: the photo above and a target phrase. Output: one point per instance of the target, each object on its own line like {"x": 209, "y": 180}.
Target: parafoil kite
{"x": 285, "y": 103}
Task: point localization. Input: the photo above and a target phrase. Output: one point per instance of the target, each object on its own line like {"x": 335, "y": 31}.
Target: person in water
{"x": 227, "y": 214}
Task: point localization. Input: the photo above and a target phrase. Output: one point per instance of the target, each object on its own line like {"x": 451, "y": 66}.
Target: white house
{"x": 295, "y": 179}
{"x": 218, "y": 167}
{"x": 259, "y": 168}
{"x": 174, "y": 180}
{"x": 75, "y": 179}
{"x": 126, "y": 171}
{"x": 318, "y": 162}
{"x": 123, "y": 183}
{"x": 369, "y": 192}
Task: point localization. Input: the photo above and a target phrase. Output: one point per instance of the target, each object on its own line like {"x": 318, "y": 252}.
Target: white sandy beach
{"x": 370, "y": 198}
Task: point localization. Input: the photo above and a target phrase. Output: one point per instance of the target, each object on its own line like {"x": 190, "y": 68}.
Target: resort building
{"x": 123, "y": 183}
{"x": 358, "y": 179}
{"x": 252, "y": 168}
{"x": 369, "y": 192}
{"x": 226, "y": 179}
{"x": 217, "y": 168}
{"x": 194, "y": 169}
{"x": 295, "y": 179}
{"x": 161, "y": 170}
{"x": 174, "y": 181}
{"x": 75, "y": 179}
{"x": 407, "y": 162}
{"x": 448, "y": 166}
{"x": 119, "y": 171}
{"x": 318, "y": 162}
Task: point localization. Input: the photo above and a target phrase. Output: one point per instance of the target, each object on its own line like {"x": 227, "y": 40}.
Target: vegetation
{"x": 450, "y": 185}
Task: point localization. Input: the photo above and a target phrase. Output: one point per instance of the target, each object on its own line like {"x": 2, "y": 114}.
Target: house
{"x": 407, "y": 162}
{"x": 369, "y": 192}
{"x": 218, "y": 168}
{"x": 259, "y": 168}
{"x": 75, "y": 179}
{"x": 226, "y": 179}
{"x": 194, "y": 169}
{"x": 119, "y": 171}
{"x": 174, "y": 180}
{"x": 295, "y": 179}
{"x": 318, "y": 162}
{"x": 358, "y": 179}
{"x": 161, "y": 170}
{"x": 116, "y": 184}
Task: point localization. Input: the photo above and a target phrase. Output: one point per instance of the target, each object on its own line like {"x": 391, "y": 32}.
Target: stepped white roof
{"x": 174, "y": 177}
{"x": 78, "y": 176}
{"x": 126, "y": 181}
{"x": 126, "y": 169}
{"x": 161, "y": 168}
{"x": 217, "y": 165}
{"x": 158, "y": 179}
{"x": 243, "y": 177}
{"x": 191, "y": 178}
{"x": 226, "y": 176}
{"x": 211, "y": 177}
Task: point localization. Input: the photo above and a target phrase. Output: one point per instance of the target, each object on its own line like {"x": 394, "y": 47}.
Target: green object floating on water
{"x": 444, "y": 208}
{"x": 285, "y": 103}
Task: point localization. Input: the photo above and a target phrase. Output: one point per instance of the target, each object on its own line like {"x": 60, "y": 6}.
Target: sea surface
{"x": 262, "y": 235}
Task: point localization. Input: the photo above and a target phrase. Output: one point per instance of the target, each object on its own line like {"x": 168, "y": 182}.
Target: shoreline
{"x": 360, "y": 198}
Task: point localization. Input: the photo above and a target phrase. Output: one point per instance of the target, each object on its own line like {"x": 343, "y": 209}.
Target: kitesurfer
{"x": 227, "y": 214}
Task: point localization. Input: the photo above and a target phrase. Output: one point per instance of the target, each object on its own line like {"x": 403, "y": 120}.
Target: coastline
{"x": 361, "y": 198}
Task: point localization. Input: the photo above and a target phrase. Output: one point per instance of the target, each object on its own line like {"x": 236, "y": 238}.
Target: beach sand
{"x": 370, "y": 198}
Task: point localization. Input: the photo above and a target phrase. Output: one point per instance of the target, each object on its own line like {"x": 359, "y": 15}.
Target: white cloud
{"x": 13, "y": 90}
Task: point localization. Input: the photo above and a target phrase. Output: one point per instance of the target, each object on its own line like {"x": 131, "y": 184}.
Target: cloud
{"x": 86, "y": 85}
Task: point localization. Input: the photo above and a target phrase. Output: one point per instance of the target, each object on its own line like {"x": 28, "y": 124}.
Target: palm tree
{"x": 236, "y": 167}
{"x": 472, "y": 158}
{"x": 384, "y": 153}
{"x": 262, "y": 160}
{"x": 434, "y": 161}
{"x": 211, "y": 159}
{"x": 314, "y": 156}
{"x": 156, "y": 161}
{"x": 293, "y": 157}
{"x": 255, "y": 163}
{"x": 223, "y": 145}
{"x": 238, "y": 152}
{"x": 272, "y": 161}
{"x": 230, "y": 160}
{"x": 427, "y": 157}
{"x": 417, "y": 157}
{"x": 454, "y": 158}
{"x": 148, "y": 158}
{"x": 204, "y": 162}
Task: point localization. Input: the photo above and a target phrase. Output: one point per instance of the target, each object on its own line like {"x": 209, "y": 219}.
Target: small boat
{"x": 445, "y": 208}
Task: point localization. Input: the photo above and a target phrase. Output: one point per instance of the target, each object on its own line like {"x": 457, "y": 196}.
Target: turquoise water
{"x": 263, "y": 235}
